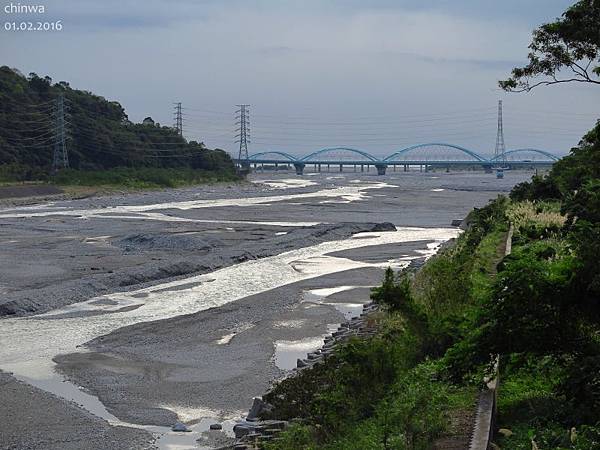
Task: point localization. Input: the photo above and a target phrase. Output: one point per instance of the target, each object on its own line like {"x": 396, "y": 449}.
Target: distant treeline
{"x": 99, "y": 135}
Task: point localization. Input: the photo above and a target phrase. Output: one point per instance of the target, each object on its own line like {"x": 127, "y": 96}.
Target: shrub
{"x": 394, "y": 292}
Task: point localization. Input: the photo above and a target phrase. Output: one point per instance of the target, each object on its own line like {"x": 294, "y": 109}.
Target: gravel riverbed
{"x": 185, "y": 304}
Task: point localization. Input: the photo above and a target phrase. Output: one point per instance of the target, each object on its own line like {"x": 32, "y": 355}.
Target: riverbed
{"x": 182, "y": 305}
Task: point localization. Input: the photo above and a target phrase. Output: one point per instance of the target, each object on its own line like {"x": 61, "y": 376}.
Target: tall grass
{"x": 540, "y": 214}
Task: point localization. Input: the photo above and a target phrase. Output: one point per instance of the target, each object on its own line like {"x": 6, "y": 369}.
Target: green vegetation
{"x": 546, "y": 310}
{"x": 377, "y": 393}
{"x": 532, "y": 408}
{"x": 564, "y": 51}
{"x": 538, "y": 309}
{"x": 142, "y": 178}
{"x": 440, "y": 331}
{"x": 391, "y": 391}
{"x": 100, "y": 139}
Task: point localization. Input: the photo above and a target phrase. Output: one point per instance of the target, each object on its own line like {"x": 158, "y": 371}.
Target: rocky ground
{"x": 85, "y": 267}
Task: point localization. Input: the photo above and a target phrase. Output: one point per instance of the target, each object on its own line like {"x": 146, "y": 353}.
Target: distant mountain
{"x": 99, "y": 134}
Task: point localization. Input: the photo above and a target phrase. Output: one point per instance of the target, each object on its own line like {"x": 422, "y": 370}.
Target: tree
{"x": 393, "y": 294}
{"x": 41, "y": 85}
{"x": 571, "y": 44}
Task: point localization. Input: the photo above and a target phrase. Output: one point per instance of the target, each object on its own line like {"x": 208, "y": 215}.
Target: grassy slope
{"x": 415, "y": 406}
{"x": 394, "y": 390}
{"x": 530, "y": 405}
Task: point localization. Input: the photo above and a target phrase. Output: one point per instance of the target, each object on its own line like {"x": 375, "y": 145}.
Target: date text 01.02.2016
{"x": 33, "y": 26}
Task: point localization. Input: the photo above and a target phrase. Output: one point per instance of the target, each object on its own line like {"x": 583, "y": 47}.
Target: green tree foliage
{"x": 575, "y": 181}
{"x": 570, "y": 44}
{"x": 372, "y": 394}
{"x": 100, "y": 134}
{"x": 539, "y": 188}
{"x": 582, "y": 165}
{"x": 545, "y": 302}
{"x": 531, "y": 309}
{"x": 393, "y": 294}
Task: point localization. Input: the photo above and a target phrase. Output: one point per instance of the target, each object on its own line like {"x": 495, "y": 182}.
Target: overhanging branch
{"x": 527, "y": 87}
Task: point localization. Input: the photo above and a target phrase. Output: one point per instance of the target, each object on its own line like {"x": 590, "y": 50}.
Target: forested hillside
{"x": 99, "y": 135}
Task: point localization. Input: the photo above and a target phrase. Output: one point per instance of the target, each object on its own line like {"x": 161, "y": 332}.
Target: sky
{"x": 374, "y": 75}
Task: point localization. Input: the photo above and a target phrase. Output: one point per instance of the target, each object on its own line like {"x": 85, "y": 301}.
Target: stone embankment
{"x": 253, "y": 432}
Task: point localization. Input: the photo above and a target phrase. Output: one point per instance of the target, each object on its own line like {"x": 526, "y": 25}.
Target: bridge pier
{"x": 362, "y": 167}
{"x": 406, "y": 167}
{"x": 319, "y": 166}
{"x": 381, "y": 168}
{"x": 299, "y": 168}
{"x": 341, "y": 167}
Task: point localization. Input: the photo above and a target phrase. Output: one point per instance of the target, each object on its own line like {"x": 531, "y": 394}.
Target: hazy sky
{"x": 376, "y": 75}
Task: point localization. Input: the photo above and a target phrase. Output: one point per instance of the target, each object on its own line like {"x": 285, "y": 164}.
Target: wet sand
{"x": 31, "y": 418}
{"x": 199, "y": 361}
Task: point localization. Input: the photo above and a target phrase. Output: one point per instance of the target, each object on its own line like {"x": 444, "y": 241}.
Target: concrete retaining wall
{"x": 485, "y": 416}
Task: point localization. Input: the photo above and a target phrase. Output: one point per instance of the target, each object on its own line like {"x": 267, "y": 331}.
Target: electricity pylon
{"x": 61, "y": 157}
{"x": 178, "y": 119}
{"x": 500, "y": 151}
{"x": 243, "y": 136}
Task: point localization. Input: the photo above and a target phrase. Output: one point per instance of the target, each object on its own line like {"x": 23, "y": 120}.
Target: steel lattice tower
{"x": 178, "y": 119}
{"x": 243, "y": 136}
{"x": 499, "y": 153}
{"x": 61, "y": 157}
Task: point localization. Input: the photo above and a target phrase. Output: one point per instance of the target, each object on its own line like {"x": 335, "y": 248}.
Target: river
{"x": 269, "y": 269}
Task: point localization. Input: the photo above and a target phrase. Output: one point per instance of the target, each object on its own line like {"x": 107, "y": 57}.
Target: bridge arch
{"x": 471, "y": 153}
{"x": 311, "y": 156}
{"x": 267, "y": 154}
{"x": 530, "y": 150}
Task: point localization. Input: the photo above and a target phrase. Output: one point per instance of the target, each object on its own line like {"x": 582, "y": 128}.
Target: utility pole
{"x": 178, "y": 119}
{"x": 61, "y": 157}
{"x": 243, "y": 137}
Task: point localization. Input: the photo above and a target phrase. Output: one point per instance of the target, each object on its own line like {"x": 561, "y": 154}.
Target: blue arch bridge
{"x": 425, "y": 156}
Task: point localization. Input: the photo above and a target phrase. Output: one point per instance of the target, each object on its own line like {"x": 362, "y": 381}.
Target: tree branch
{"x": 528, "y": 87}
{"x": 583, "y": 73}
